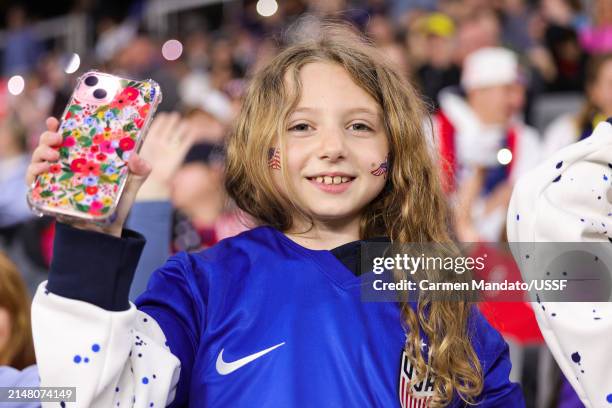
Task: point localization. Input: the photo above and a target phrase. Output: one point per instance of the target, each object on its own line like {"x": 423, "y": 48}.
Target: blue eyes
{"x": 359, "y": 127}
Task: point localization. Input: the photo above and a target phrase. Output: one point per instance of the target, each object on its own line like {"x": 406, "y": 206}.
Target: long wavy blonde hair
{"x": 412, "y": 207}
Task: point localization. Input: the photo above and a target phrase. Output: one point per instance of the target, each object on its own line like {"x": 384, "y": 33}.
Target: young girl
{"x": 328, "y": 151}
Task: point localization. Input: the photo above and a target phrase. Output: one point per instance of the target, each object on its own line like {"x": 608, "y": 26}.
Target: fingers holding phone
{"x": 44, "y": 153}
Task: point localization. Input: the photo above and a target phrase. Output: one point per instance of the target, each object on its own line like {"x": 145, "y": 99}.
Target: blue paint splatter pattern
{"x": 82, "y": 355}
{"x": 568, "y": 199}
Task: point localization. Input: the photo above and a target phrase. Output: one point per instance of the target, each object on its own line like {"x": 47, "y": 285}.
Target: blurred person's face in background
{"x": 196, "y": 182}
{"x": 398, "y": 58}
{"x": 492, "y": 104}
{"x": 380, "y": 30}
{"x": 417, "y": 46}
{"x": 221, "y": 54}
{"x": 438, "y": 35}
{"x": 196, "y": 49}
{"x": 54, "y": 75}
{"x": 557, "y": 11}
{"x": 245, "y": 47}
{"x": 570, "y": 50}
{"x": 137, "y": 56}
{"x": 441, "y": 51}
{"x": 536, "y": 27}
{"x": 476, "y": 32}
{"x": 603, "y": 12}
{"x": 600, "y": 92}
{"x": 220, "y": 76}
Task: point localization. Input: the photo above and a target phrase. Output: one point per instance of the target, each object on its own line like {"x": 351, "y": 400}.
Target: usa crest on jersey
{"x": 414, "y": 394}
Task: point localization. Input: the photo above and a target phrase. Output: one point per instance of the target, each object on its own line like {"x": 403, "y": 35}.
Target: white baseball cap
{"x": 489, "y": 66}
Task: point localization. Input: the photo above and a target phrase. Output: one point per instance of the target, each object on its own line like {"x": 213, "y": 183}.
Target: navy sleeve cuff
{"x": 94, "y": 267}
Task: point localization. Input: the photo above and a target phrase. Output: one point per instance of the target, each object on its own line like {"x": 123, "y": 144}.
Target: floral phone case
{"x": 104, "y": 122}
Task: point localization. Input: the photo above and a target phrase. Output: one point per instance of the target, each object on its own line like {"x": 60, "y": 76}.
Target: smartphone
{"x": 105, "y": 122}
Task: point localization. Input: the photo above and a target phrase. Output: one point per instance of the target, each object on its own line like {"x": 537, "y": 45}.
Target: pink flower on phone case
{"x": 98, "y": 138}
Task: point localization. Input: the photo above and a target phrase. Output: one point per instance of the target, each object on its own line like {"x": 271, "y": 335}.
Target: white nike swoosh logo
{"x": 224, "y": 368}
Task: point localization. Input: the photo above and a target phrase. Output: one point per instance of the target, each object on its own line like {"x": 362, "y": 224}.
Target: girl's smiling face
{"x": 335, "y": 146}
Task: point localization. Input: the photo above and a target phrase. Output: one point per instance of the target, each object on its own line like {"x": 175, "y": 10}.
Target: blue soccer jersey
{"x": 255, "y": 321}
{"x": 259, "y": 320}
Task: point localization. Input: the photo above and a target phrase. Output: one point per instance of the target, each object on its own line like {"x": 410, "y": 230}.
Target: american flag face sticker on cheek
{"x": 382, "y": 169}
{"x": 274, "y": 158}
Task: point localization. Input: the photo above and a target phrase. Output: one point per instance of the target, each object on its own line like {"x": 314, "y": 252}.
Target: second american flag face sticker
{"x": 382, "y": 169}
{"x": 274, "y": 158}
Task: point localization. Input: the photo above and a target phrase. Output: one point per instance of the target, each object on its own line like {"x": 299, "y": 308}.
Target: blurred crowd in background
{"x": 508, "y": 82}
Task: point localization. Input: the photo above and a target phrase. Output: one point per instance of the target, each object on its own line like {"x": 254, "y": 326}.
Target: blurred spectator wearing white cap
{"x": 484, "y": 146}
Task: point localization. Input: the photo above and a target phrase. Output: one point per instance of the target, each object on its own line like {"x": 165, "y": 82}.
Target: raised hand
{"x": 166, "y": 145}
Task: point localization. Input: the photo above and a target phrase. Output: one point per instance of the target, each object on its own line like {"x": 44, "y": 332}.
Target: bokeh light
{"x": 267, "y": 8}
{"x": 73, "y": 64}
{"x": 504, "y": 156}
{"x": 16, "y": 84}
{"x": 172, "y": 50}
